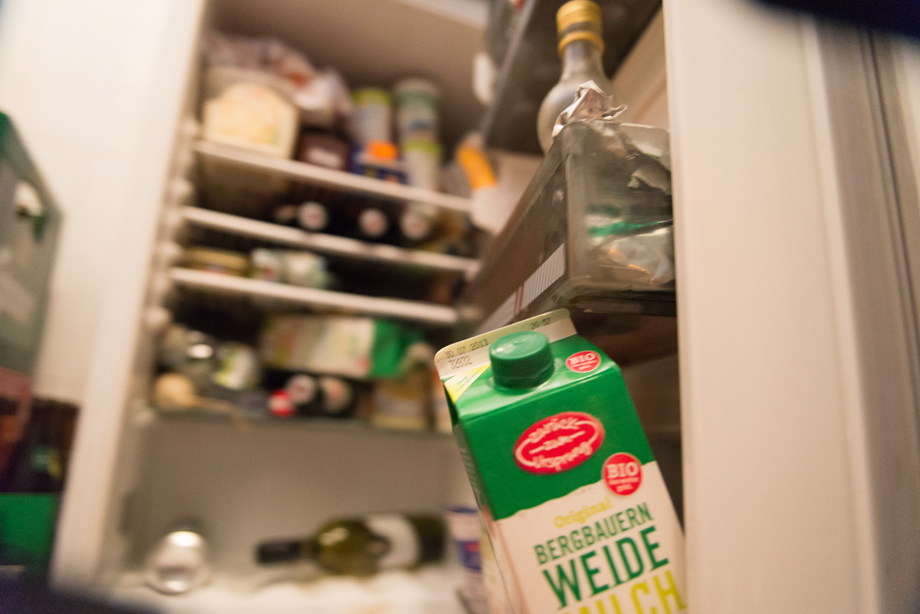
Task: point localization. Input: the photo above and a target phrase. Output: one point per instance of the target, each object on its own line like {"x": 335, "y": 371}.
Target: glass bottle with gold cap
{"x": 581, "y": 45}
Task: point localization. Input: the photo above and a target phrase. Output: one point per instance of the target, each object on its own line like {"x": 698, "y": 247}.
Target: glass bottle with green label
{"x": 365, "y": 545}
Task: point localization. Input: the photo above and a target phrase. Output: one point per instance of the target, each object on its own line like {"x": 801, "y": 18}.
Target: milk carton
{"x": 577, "y": 510}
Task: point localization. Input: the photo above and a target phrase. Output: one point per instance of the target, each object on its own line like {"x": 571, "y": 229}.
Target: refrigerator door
{"x": 797, "y": 335}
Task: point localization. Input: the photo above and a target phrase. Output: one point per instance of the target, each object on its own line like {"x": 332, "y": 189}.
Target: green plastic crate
{"x": 29, "y": 225}
{"x": 27, "y": 531}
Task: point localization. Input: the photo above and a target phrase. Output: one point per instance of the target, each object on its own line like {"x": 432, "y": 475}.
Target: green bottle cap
{"x": 521, "y": 360}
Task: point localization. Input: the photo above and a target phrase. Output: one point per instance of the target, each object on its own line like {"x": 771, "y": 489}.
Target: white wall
{"x": 79, "y": 79}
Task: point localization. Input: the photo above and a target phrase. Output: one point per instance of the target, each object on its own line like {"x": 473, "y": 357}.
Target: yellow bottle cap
{"x": 579, "y": 20}
{"x": 577, "y": 11}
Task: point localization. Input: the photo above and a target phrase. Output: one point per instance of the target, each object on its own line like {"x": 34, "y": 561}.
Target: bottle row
{"x": 263, "y": 96}
{"x": 305, "y": 367}
{"x": 412, "y": 225}
{"x": 359, "y": 546}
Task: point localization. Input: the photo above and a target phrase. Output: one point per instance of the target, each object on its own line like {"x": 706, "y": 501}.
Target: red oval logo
{"x": 583, "y": 362}
{"x": 623, "y": 473}
{"x": 558, "y": 443}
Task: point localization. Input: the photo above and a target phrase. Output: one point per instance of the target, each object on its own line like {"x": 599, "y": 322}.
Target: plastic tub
{"x": 417, "y": 109}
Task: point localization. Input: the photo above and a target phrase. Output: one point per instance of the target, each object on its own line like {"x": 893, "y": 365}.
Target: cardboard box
{"x": 576, "y": 507}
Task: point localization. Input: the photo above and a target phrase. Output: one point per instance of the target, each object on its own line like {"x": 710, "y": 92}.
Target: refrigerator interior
{"x": 784, "y": 364}
{"x": 283, "y": 478}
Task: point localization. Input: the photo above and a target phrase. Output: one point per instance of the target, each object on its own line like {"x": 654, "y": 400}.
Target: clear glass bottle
{"x": 581, "y": 47}
{"x": 178, "y": 562}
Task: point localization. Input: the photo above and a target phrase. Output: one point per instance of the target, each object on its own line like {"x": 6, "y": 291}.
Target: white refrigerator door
{"x": 98, "y": 87}
{"x": 797, "y": 342}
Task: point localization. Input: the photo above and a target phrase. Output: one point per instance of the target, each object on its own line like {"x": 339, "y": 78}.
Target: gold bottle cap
{"x": 577, "y": 11}
{"x": 579, "y": 20}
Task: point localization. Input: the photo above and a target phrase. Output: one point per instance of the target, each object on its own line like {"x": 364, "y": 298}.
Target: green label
{"x": 577, "y": 511}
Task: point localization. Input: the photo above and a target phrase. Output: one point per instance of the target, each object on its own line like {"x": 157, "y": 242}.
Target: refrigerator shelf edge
{"x": 327, "y": 244}
{"x": 416, "y": 311}
{"x": 316, "y": 175}
{"x": 356, "y": 426}
{"x": 353, "y": 425}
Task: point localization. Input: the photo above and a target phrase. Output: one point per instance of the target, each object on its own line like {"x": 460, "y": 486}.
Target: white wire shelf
{"x": 327, "y": 244}
{"x": 317, "y": 175}
{"x": 415, "y": 311}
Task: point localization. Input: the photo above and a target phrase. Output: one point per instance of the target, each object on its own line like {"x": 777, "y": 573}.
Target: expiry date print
{"x": 460, "y": 361}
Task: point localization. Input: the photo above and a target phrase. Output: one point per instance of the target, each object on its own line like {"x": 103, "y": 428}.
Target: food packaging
{"x": 323, "y": 149}
{"x": 250, "y": 110}
{"x": 305, "y": 269}
{"x": 464, "y": 526}
{"x": 378, "y": 160}
{"x": 416, "y": 109}
{"x": 372, "y": 115}
{"x": 422, "y": 162}
{"x": 239, "y": 366}
{"x": 576, "y": 507}
{"x": 401, "y": 403}
{"x": 220, "y": 261}
{"x": 337, "y": 345}
{"x": 267, "y": 264}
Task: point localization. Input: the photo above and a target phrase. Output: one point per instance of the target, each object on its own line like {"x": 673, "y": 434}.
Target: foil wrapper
{"x": 591, "y": 102}
{"x": 631, "y": 243}
{"x": 646, "y": 258}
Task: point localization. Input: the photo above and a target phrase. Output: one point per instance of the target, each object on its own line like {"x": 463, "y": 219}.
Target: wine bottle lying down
{"x": 365, "y": 545}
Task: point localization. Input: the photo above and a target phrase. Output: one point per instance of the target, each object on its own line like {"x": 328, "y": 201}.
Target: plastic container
{"x": 29, "y": 224}
{"x": 324, "y": 149}
{"x": 251, "y": 110}
{"x": 373, "y": 115}
{"x": 267, "y": 264}
{"x": 423, "y": 163}
{"x": 465, "y": 531}
{"x": 566, "y": 481}
{"x": 27, "y": 532}
{"x": 593, "y": 231}
{"x": 378, "y": 160}
{"x": 416, "y": 109}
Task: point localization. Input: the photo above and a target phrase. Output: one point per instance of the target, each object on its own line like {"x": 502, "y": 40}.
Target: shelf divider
{"x": 325, "y": 243}
{"x": 415, "y": 311}
{"x": 317, "y": 175}
{"x": 343, "y": 425}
